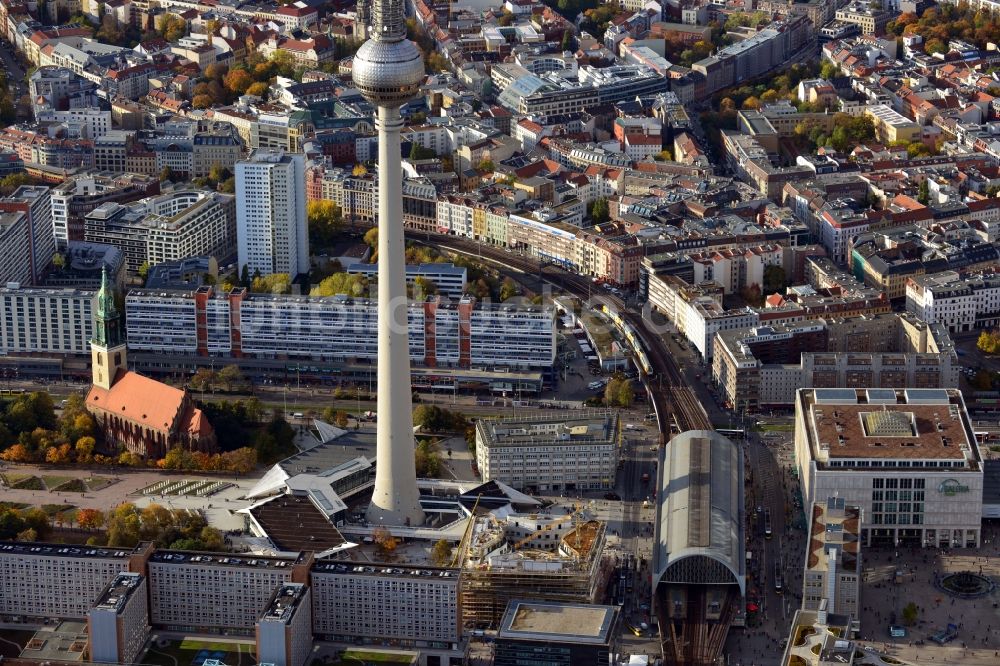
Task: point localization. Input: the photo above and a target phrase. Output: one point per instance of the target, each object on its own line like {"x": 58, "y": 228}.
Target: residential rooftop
{"x": 116, "y": 594}
{"x": 408, "y": 570}
{"x": 62, "y": 550}
{"x": 184, "y": 557}
{"x": 285, "y": 602}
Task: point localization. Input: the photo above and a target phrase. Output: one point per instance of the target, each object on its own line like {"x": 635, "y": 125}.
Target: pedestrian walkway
{"x": 883, "y": 601}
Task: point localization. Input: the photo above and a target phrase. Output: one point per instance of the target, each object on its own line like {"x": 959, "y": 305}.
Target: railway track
{"x": 672, "y": 398}
{"x": 697, "y": 640}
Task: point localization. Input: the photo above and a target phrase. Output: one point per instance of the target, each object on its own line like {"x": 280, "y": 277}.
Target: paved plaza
{"x": 978, "y": 641}
{"x": 127, "y": 487}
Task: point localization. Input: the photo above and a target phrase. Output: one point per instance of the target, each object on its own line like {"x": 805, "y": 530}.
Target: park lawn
{"x": 13, "y": 505}
{"x": 52, "y": 482}
{"x": 71, "y": 486}
{"x": 97, "y": 482}
{"x": 217, "y": 646}
{"x": 187, "y": 650}
{"x": 29, "y": 482}
{"x": 53, "y": 509}
{"x": 14, "y": 479}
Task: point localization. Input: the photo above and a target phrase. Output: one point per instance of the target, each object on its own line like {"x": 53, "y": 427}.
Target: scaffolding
{"x": 572, "y": 568}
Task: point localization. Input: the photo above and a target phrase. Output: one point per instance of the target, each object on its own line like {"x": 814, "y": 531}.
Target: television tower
{"x": 388, "y": 70}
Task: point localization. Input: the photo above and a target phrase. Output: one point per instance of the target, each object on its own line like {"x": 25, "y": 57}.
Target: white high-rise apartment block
{"x": 35, "y": 201}
{"x": 119, "y": 621}
{"x": 418, "y": 607}
{"x": 272, "y": 233}
{"x": 54, "y": 580}
{"x": 284, "y": 631}
{"x": 39, "y": 320}
{"x": 215, "y": 592}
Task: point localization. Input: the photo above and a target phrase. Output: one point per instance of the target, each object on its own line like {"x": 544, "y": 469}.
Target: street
{"x": 15, "y": 72}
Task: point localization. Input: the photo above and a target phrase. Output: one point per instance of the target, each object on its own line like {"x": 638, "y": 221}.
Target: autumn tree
{"x": 17, "y": 453}
{"x": 85, "y": 449}
{"x": 230, "y": 375}
{"x": 129, "y": 459}
{"x": 29, "y": 534}
{"x": 276, "y": 283}
{"x": 385, "y": 543}
{"x": 258, "y": 89}
{"x": 58, "y": 455}
{"x": 283, "y": 63}
{"x": 89, "y": 519}
{"x": 124, "y": 526}
{"x": 989, "y": 342}
{"x": 619, "y": 392}
{"x": 204, "y": 379}
{"x": 325, "y": 222}
{"x": 441, "y": 552}
{"x": 216, "y": 71}
{"x": 237, "y": 81}
{"x": 422, "y": 288}
{"x": 349, "y": 284}
{"x": 171, "y": 27}
{"x": 509, "y": 289}
{"x": 109, "y": 32}
{"x": 11, "y": 523}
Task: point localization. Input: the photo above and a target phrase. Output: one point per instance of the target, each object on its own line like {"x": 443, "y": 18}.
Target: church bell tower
{"x": 107, "y": 349}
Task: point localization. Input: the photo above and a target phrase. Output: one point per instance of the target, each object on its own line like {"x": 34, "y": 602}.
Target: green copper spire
{"x": 106, "y": 314}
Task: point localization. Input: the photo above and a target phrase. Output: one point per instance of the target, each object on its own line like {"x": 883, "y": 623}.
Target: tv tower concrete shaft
{"x": 396, "y": 500}
{"x": 388, "y": 70}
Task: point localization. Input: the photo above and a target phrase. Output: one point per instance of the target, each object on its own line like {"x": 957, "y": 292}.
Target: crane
{"x": 468, "y": 528}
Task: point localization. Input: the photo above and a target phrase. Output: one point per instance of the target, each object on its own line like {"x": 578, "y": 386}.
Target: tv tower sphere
{"x": 388, "y": 69}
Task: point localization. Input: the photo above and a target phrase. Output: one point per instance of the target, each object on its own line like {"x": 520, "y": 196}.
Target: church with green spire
{"x": 139, "y": 414}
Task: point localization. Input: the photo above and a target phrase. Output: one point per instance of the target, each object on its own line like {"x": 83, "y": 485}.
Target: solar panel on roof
{"x": 927, "y": 396}
{"x": 835, "y": 395}
{"x": 881, "y": 396}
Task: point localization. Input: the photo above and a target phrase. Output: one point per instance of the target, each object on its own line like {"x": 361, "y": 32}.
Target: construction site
{"x": 530, "y": 556}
